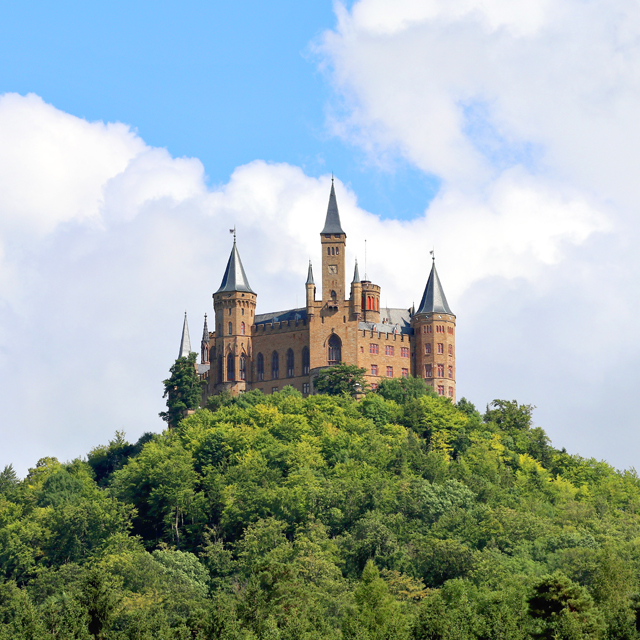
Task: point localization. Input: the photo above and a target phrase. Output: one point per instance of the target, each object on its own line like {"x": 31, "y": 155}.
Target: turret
{"x": 435, "y": 343}
{"x": 356, "y": 294}
{"x": 234, "y": 304}
{"x": 204, "y": 344}
{"x": 370, "y": 298}
{"x": 333, "y": 240}
{"x": 311, "y": 290}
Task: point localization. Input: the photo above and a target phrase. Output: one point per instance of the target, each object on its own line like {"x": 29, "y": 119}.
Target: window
{"x": 334, "y": 355}
{"x": 305, "y": 388}
{"x": 404, "y": 352}
{"x": 275, "y": 366}
{"x": 450, "y": 349}
{"x": 231, "y": 367}
{"x": 405, "y": 373}
{"x": 305, "y": 361}
{"x": 440, "y": 389}
{"x": 229, "y": 310}
{"x": 388, "y": 350}
{"x": 427, "y": 349}
{"x": 290, "y": 363}
{"x": 230, "y": 328}
{"x": 328, "y": 251}
{"x": 451, "y": 372}
{"x": 260, "y": 367}
{"x": 427, "y": 371}
{"x": 374, "y": 386}
{"x": 242, "y": 311}
{"x": 440, "y": 371}
{"x": 373, "y": 348}
{"x": 242, "y": 328}
{"x": 440, "y": 347}
{"x": 374, "y": 369}
{"x": 389, "y": 372}
{"x": 451, "y": 392}
{"x": 274, "y": 389}
{"x": 243, "y": 367}
{"x": 337, "y": 251}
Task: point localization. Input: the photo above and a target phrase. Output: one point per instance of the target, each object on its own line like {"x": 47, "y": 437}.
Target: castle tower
{"x": 435, "y": 339}
{"x": 234, "y": 304}
{"x": 370, "y": 301}
{"x": 185, "y": 341}
{"x": 334, "y": 241}
{"x": 204, "y": 343}
{"x": 310, "y": 286}
{"x": 356, "y": 294}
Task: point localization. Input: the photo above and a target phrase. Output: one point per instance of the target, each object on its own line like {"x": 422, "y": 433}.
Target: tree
{"x": 341, "y": 379}
{"x": 402, "y": 389}
{"x": 182, "y": 389}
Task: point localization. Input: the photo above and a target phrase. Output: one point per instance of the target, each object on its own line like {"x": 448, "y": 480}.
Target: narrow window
{"x": 231, "y": 368}
{"x": 242, "y": 328}
{"x": 229, "y": 310}
{"x": 389, "y": 372}
{"x": 440, "y": 389}
{"x": 440, "y": 347}
{"x": 374, "y": 369}
{"x": 334, "y": 353}
{"x": 275, "y": 366}
{"x": 427, "y": 349}
{"x": 451, "y": 372}
{"x": 243, "y": 367}
{"x": 305, "y": 388}
{"x": 405, "y": 373}
{"x": 242, "y": 311}
{"x": 440, "y": 371}
{"x": 290, "y": 363}
{"x": 333, "y": 251}
{"x": 337, "y": 251}
{"x": 305, "y": 361}
{"x": 260, "y": 367}
{"x": 328, "y": 251}
{"x": 451, "y": 392}
{"x": 450, "y": 349}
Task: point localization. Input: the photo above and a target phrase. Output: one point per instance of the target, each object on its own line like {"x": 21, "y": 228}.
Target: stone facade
{"x": 271, "y": 350}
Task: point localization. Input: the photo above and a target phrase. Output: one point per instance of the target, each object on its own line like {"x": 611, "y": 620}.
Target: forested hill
{"x": 400, "y": 516}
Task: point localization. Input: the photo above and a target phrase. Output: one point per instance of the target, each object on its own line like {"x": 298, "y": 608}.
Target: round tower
{"x": 370, "y": 301}
{"x": 234, "y": 304}
{"x": 434, "y": 326}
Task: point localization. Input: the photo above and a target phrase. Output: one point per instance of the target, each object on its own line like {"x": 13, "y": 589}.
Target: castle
{"x": 270, "y": 350}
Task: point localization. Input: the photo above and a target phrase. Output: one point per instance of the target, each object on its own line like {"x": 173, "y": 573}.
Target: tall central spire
{"x": 235, "y": 279}
{"x": 332, "y": 222}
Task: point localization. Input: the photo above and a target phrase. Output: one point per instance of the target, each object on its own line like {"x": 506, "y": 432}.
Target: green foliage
{"x": 402, "y": 389}
{"x": 341, "y": 379}
{"x": 182, "y": 390}
{"x": 398, "y": 515}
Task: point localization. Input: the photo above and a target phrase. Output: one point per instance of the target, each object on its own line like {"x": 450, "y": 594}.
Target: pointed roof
{"x": 433, "y": 299}
{"x": 356, "y": 273}
{"x": 185, "y": 342}
{"x": 332, "y": 223}
{"x": 234, "y": 279}
{"x": 205, "y": 330}
{"x": 310, "y": 275}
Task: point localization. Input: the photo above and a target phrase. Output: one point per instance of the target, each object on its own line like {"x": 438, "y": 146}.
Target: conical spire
{"x": 310, "y": 275}
{"x": 234, "y": 279}
{"x": 185, "y": 341}
{"x": 205, "y": 330}
{"x": 332, "y": 223}
{"x": 433, "y": 299}
{"x": 356, "y": 273}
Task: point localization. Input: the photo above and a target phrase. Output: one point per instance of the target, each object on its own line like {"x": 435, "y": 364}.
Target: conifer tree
{"x": 182, "y": 390}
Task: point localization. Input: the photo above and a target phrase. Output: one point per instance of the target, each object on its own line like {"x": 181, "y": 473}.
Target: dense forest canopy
{"x": 398, "y": 516}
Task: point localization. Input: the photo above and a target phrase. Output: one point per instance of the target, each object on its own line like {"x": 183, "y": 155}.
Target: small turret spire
{"x": 356, "y": 273}
{"x": 185, "y": 341}
{"x": 332, "y": 222}
{"x": 310, "y": 275}
{"x": 205, "y": 330}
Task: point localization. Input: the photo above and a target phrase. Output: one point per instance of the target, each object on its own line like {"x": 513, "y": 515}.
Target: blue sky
{"x": 226, "y": 82}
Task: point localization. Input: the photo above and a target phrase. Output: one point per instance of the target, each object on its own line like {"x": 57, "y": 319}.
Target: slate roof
{"x": 433, "y": 299}
{"x": 395, "y": 321}
{"x": 310, "y": 275}
{"x": 332, "y": 222}
{"x": 203, "y": 368}
{"x": 235, "y": 279}
{"x": 356, "y": 274}
{"x": 290, "y": 315}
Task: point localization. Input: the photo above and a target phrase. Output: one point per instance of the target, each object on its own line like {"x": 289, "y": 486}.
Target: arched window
{"x": 205, "y": 354}
{"x": 334, "y": 355}
{"x": 242, "y": 311}
{"x": 242, "y": 328}
{"x": 243, "y": 367}
{"x": 328, "y": 251}
{"x": 305, "y": 361}
{"x": 230, "y": 328}
{"x": 334, "y": 295}
{"x": 333, "y": 251}
{"x": 275, "y": 366}
{"x": 220, "y": 370}
{"x": 290, "y": 363}
{"x": 229, "y": 310}
{"x": 260, "y": 367}
{"x": 337, "y": 251}
{"x": 231, "y": 367}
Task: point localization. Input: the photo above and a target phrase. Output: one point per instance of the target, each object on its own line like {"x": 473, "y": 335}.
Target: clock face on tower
{"x": 333, "y": 269}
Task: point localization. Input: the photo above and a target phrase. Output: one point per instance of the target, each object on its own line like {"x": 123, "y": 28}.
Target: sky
{"x": 134, "y": 135}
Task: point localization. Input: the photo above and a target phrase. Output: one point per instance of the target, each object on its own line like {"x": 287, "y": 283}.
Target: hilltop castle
{"x": 270, "y": 350}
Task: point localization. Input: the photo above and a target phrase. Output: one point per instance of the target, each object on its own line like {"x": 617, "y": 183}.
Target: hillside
{"x": 400, "y": 516}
